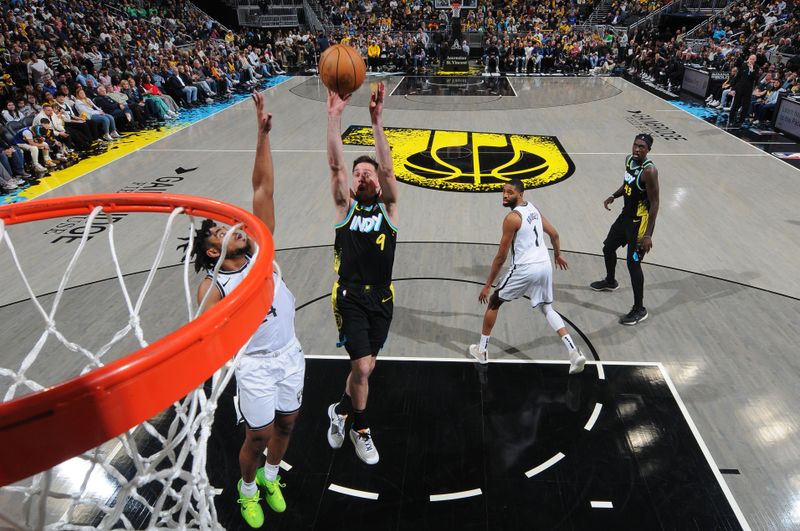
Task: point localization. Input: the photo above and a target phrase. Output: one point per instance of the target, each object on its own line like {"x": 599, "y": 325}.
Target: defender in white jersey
{"x": 530, "y": 274}
{"x": 270, "y": 373}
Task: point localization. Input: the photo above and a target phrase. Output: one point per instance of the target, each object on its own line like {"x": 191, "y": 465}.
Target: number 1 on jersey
{"x": 536, "y": 232}
{"x": 381, "y": 240}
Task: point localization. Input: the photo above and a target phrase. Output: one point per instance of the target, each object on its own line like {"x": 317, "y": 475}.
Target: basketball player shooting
{"x": 270, "y": 373}
{"x": 363, "y": 296}
{"x": 531, "y": 272}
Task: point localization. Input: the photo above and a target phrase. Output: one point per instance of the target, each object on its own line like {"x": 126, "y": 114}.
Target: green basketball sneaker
{"x": 252, "y": 512}
{"x": 273, "y": 493}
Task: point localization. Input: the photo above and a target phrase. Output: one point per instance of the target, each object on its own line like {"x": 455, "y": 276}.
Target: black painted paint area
{"x": 453, "y": 86}
{"x": 447, "y": 427}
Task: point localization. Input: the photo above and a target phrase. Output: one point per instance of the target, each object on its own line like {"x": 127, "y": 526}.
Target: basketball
{"x": 342, "y": 69}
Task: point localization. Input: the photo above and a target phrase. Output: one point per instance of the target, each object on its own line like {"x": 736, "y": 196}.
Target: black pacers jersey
{"x": 363, "y": 252}
{"x": 634, "y": 190}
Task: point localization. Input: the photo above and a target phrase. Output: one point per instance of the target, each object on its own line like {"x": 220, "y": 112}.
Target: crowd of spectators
{"x": 529, "y": 36}
{"x": 533, "y": 36}
{"x": 626, "y": 12}
{"x": 74, "y": 75}
{"x": 489, "y": 15}
{"x": 754, "y": 45}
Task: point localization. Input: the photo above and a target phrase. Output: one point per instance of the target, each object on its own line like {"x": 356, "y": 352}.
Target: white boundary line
{"x": 353, "y": 492}
{"x": 704, "y": 448}
{"x": 510, "y": 84}
{"x": 197, "y": 150}
{"x": 774, "y": 143}
{"x": 456, "y": 495}
{"x": 587, "y": 153}
{"x": 395, "y": 87}
{"x": 471, "y": 360}
{"x": 187, "y": 126}
{"x": 594, "y": 416}
{"x": 544, "y": 466}
{"x": 601, "y": 374}
{"x": 601, "y": 504}
{"x": 762, "y": 154}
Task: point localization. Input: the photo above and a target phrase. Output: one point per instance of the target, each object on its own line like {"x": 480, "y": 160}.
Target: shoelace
{"x": 271, "y": 485}
{"x": 366, "y": 438}
{"x": 248, "y": 501}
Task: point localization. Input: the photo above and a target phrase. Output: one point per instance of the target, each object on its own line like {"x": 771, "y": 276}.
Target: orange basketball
{"x": 342, "y": 69}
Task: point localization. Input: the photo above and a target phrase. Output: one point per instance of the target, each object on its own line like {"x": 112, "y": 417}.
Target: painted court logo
{"x": 647, "y": 124}
{"x": 463, "y": 161}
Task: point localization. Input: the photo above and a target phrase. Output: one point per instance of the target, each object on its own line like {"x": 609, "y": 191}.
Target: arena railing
{"x": 198, "y": 10}
{"x": 712, "y": 7}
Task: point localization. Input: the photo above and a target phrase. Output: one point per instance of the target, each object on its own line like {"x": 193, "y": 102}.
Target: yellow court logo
{"x": 465, "y": 161}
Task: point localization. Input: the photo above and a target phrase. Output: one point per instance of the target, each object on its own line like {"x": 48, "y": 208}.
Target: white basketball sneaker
{"x": 336, "y": 428}
{"x": 481, "y": 355}
{"x": 365, "y": 447}
{"x": 576, "y": 361}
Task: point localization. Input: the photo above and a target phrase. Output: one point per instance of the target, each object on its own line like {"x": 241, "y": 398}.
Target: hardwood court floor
{"x": 721, "y": 283}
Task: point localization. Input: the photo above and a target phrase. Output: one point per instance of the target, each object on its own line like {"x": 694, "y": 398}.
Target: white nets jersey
{"x": 528, "y": 246}
{"x": 277, "y": 328}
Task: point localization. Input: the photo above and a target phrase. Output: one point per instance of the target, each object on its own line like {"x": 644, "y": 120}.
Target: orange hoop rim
{"x": 45, "y": 428}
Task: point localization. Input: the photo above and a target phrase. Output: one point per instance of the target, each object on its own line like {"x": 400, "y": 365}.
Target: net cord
{"x": 187, "y": 436}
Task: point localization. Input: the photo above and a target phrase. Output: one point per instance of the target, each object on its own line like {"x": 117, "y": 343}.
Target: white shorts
{"x": 533, "y": 280}
{"x": 270, "y": 383}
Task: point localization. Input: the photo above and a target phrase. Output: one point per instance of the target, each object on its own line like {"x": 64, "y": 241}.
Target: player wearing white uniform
{"x": 269, "y": 376}
{"x": 530, "y": 273}
{"x": 270, "y": 373}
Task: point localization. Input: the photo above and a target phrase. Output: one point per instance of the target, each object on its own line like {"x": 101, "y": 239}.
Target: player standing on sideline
{"x": 634, "y": 226}
{"x": 531, "y": 272}
{"x": 270, "y": 373}
{"x": 363, "y": 296}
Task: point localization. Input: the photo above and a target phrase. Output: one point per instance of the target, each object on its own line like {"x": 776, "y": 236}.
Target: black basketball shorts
{"x": 363, "y": 315}
{"x": 627, "y": 231}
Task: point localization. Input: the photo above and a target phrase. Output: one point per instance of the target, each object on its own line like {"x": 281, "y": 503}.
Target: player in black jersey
{"x": 634, "y": 226}
{"x": 362, "y": 297}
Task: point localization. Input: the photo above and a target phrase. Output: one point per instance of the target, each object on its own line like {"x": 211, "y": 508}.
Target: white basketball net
{"x": 157, "y": 468}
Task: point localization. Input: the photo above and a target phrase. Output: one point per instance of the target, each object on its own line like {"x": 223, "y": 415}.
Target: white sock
{"x": 248, "y": 489}
{"x": 568, "y": 343}
{"x": 483, "y": 346}
{"x": 271, "y": 471}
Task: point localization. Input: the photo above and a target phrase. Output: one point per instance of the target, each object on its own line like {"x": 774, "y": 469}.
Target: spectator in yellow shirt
{"x": 373, "y": 55}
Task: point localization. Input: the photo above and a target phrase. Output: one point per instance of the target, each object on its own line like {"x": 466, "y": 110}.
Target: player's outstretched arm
{"x": 555, "y": 241}
{"x": 263, "y": 169}
{"x": 511, "y": 225}
{"x": 339, "y": 178}
{"x": 383, "y": 152}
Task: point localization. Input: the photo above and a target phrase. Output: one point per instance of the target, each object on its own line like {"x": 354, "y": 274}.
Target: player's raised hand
{"x": 264, "y": 118}
{"x": 337, "y": 103}
{"x": 376, "y": 101}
